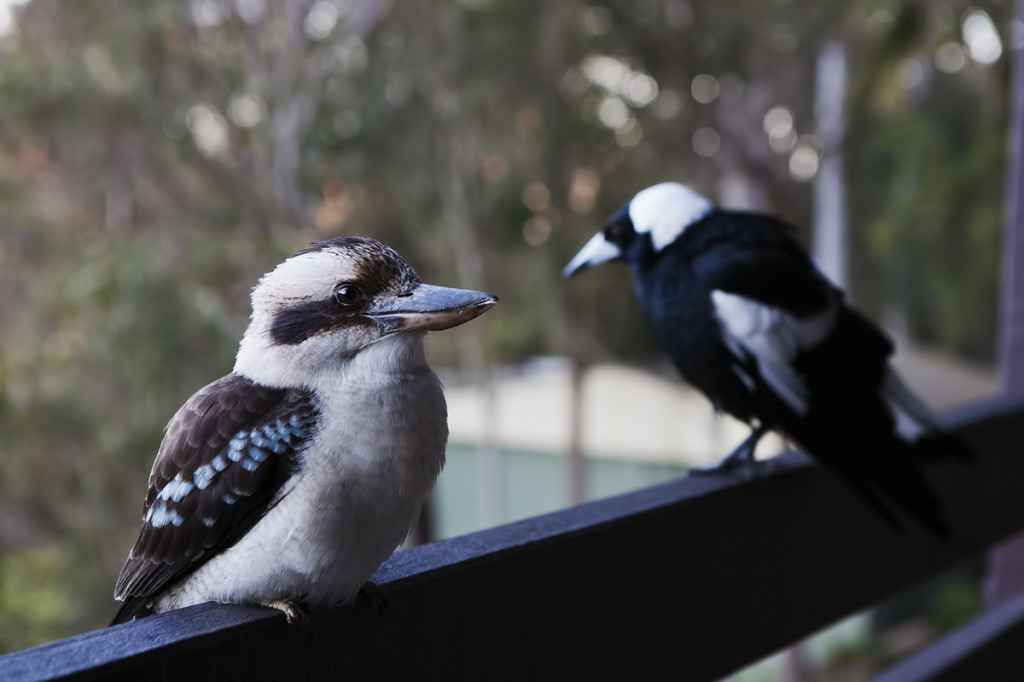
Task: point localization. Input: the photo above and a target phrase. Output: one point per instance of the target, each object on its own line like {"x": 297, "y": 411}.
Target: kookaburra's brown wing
{"x": 225, "y": 455}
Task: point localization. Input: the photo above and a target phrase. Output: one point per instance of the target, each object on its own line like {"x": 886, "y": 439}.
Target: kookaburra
{"x": 290, "y": 480}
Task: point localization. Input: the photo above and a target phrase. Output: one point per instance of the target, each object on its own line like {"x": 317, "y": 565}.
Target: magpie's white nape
{"x": 290, "y": 480}
{"x": 748, "y": 319}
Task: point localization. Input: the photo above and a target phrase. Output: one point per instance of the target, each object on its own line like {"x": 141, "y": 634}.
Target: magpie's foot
{"x": 291, "y": 611}
{"x": 747, "y": 468}
{"x": 374, "y": 595}
{"x": 740, "y": 461}
{"x": 730, "y": 466}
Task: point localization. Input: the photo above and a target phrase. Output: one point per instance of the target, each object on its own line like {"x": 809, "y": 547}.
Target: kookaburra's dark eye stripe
{"x": 296, "y": 323}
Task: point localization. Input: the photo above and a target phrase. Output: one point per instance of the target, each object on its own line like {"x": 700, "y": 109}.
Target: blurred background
{"x": 156, "y": 158}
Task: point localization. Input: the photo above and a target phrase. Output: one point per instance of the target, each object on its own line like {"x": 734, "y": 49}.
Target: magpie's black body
{"x": 673, "y": 288}
{"x": 747, "y": 319}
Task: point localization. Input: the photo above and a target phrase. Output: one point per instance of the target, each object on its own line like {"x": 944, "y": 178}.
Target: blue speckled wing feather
{"x": 226, "y": 454}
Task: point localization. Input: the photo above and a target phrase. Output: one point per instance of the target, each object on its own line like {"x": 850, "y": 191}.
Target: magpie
{"x": 747, "y": 318}
{"x": 288, "y": 482}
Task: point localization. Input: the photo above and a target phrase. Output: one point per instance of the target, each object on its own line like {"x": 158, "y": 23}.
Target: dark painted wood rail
{"x": 690, "y": 580}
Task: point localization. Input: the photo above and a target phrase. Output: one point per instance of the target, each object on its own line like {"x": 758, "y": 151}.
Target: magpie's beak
{"x": 598, "y": 250}
{"x": 430, "y": 308}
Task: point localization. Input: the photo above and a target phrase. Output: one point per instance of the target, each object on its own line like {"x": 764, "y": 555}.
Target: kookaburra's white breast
{"x": 378, "y": 447}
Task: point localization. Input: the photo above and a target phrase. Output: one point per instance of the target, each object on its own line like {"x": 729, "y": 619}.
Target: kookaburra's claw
{"x": 291, "y": 612}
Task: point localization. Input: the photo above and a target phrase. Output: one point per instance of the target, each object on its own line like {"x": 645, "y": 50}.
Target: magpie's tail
{"x": 882, "y": 468}
{"x": 938, "y": 445}
{"x": 910, "y": 492}
{"x": 897, "y": 483}
{"x": 917, "y": 425}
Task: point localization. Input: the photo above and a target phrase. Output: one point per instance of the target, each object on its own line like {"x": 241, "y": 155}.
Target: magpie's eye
{"x": 348, "y": 294}
{"x": 615, "y": 233}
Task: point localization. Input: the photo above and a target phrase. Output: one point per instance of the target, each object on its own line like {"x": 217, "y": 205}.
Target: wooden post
{"x": 830, "y": 233}
{"x": 1011, "y": 338}
{"x": 576, "y": 465}
{"x": 1006, "y": 563}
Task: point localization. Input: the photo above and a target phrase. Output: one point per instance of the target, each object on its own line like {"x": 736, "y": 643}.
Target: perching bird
{"x": 290, "y": 480}
{"x": 748, "y": 320}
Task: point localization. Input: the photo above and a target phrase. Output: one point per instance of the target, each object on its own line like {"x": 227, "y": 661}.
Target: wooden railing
{"x": 690, "y": 580}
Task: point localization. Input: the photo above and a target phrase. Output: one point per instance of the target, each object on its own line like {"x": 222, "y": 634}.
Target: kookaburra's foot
{"x": 374, "y": 595}
{"x": 739, "y": 461}
{"x": 292, "y": 612}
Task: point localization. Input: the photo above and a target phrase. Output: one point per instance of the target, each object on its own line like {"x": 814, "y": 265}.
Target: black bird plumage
{"x": 748, "y": 319}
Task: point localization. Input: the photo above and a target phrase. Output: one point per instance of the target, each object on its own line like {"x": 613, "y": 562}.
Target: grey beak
{"x": 430, "y": 308}
{"x": 598, "y": 250}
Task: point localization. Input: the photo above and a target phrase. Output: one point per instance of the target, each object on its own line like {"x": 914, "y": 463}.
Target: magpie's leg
{"x": 739, "y": 460}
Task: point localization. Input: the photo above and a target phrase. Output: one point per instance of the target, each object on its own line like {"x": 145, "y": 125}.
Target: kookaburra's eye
{"x": 348, "y": 294}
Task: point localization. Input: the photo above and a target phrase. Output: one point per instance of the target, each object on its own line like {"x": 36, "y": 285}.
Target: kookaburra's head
{"x": 330, "y": 302}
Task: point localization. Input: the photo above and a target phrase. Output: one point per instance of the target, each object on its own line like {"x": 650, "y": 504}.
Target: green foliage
{"x": 927, "y": 196}
{"x": 954, "y": 603}
{"x": 37, "y": 603}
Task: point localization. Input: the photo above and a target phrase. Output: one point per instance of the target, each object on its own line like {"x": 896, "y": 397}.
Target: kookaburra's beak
{"x": 430, "y": 308}
{"x": 598, "y": 250}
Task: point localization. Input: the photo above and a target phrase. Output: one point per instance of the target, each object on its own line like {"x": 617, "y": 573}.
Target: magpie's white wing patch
{"x": 773, "y": 338}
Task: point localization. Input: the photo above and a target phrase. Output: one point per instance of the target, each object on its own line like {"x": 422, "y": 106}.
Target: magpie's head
{"x": 653, "y": 219}
{"x": 338, "y": 297}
